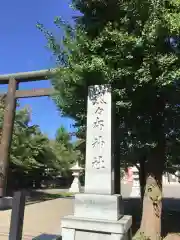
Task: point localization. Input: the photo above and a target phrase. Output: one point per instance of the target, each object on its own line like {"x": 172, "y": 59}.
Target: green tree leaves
{"x": 33, "y": 156}
{"x": 132, "y": 45}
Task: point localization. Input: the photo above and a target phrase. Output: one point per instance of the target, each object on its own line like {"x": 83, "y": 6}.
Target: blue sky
{"x": 22, "y": 48}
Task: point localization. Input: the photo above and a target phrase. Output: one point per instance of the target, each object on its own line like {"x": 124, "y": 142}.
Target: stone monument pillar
{"x": 76, "y": 186}
{"x": 98, "y": 213}
{"x": 136, "y": 192}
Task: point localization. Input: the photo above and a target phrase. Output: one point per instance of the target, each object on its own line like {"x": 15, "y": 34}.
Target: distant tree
{"x": 65, "y": 150}
{"x": 63, "y": 137}
{"x": 30, "y": 152}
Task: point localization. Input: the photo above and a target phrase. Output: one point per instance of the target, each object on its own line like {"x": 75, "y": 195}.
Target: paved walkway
{"x": 44, "y": 219}
{"x": 41, "y": 219}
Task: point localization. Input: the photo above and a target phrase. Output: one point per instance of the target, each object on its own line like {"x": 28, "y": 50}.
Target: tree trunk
{"x": 142, "y": 175}
{"x": 152, "y": 201}
{"x": 172, "y": 236}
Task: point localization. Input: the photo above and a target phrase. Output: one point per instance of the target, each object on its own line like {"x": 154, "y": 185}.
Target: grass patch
{"x": 40, "y": 196}
{"x": 57, "y": 195}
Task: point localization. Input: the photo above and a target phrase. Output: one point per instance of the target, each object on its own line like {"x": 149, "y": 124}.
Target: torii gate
{"x": 12, "y": 94}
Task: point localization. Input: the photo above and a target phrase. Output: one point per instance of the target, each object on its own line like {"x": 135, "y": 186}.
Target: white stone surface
{"x": 105, "y": 207}
{"x": 120, "y": 227}
{"x": 90, "y": 235}
{"x": 119, "y": 237}
{"x": 135, "y": 192}
{"x": 76, "y": 185}
{"x": 98, "y": 213}
{"x": 68, "y": 233}
{"x": 99, "y": 172}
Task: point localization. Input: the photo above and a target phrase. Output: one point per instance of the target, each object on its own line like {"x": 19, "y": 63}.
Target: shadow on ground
{"x": 36, "y": 196}
{"x": 45, "y": 236}
{"x": 132, "y": 206}
{"x": 170, "y": 214}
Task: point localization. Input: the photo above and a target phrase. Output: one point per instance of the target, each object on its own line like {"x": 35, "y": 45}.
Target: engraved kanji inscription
{"x": 98, "y": 123}
{"x": 99, "y": 110}
{"x": 98, "y": 162}
{"x": 97, "y": 93}
{"x": 98, "y": 100}
{"x": 98, "y": 141}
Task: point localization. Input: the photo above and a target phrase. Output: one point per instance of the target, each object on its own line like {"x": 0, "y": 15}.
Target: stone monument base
{"x": 5, "y": 203}
{"x": 76, "y": 228}
{"x": 99, "y": 206}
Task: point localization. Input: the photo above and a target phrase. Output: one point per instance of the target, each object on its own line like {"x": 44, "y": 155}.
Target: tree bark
{"x": 142, "y": 175}
{"x": 152, "y": 201}
{"x": 172, "y": 236}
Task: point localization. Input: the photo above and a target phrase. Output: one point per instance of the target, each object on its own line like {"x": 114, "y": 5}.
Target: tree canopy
{"x": 140, "y": 61}
{"x": 134, "y": 46}
{"x": 34, "y": 157}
